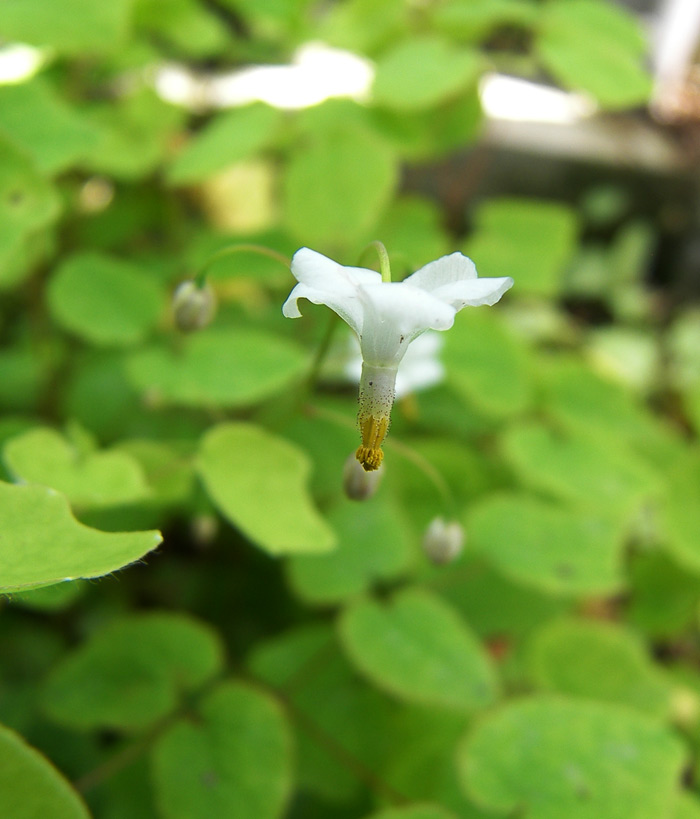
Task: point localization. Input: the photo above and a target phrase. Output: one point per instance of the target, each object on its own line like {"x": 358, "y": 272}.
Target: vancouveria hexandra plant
{"x": 387, "y": 316}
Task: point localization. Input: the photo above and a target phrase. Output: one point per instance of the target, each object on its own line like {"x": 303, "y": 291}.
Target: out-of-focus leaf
{"x": 681, "y": 510}
{"x": 421, "y": 72}
{"x": 42, "y": 542}
{"x": 133, "y": 672}
{"x": 528, "y": 239}
{"x": 372, "y": 545}
{"x": 27, "y": 201}
{"x": 184, "y": 25}
{"x": 414, "y": 812}
{"x": 598, "y": 661}
{"x": 336, "y": 187}
{"x": 593, "y": 46}
{"x": 412, "y": 233}
{"x": 217, "y": 368}
{"x": 362, "y": 26}
{"x": 258, "y": 482}
{"x": 487, "y": 364}
{"x": 229, "y": 138}
{"x": 595, "y": 475}
{"x": 544, "y": 545}
{"x": 72, "y": 27}
{"x": 472, "y": 20}
{"x": 687, "y": 807}
{"x": 37, "y": 119}
{"x": 93, "y": 479}
{"x": 234, "y": 760}
{"x": 554, "y": 757}
{"x": 30, "y": 786}
{"x": 104, "y": 300}
{"x": 418, "y": 648}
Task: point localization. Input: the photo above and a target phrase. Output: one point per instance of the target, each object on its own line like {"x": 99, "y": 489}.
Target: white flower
{"x": 387, "y": 317}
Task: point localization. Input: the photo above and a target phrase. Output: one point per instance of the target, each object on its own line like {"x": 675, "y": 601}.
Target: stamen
{"x": 370, "y": 454}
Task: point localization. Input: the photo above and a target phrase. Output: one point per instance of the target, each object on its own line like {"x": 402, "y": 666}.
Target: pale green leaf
{"x": 336, "y": 188}
{"x": 414, "y": 812}
{"x": 35, "y": 117}
{"x": 421, "y": 72}
{"x": 688, "y": 807}
{"x": 373, "y": 545}
{"x": 594, "y": 46}
{"x": 30, "y": 787}
{"x": 42, "y": 542}
{"x": 598, "y": 661}
{"x": 473, "y": 20}
{"x": 105, "y": 301}
{"x": 419, "y": 649}
{"x": 258, "y": 482}
{"x": 228, "y": 138}
{"x": 69, "y": 26}
{"x": 94, "y": 479}
{"x": 554, "y": 758}
{"x": 487, "y": 365}
{"x": 217, "y": 368}
{"x": 556, "y": 550}
{"x": 680, "y": 511}
{"x": 600, "y": 475}
{"x": 233, "y": 760}
{"x": 132, "y": 672}
{"x": 528, "y": 239}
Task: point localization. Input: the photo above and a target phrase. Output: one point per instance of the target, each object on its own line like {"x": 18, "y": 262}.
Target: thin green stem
{"x": 200, "y": 278}
{"x": 384, "y": 264}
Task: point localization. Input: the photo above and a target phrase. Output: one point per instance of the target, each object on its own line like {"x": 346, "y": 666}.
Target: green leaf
{"x": 43, "y": 456}
{"x": 27, "y": 201}
{"x": 258, "y": 483}
{"x": 600, "y": 475}
{"x": 596, "y": 47}
{"x": 30, "y": 786}
{"x": 336, "y": 188}
{"x": 217, "y": 368}
{"x": 372, "y": 545}
{"x": 421, "y": 72}
{"x": 554, "y": 758}
{"x": 487, "y": 365}
{"x": 36, "y": 118}
{"x": 74, "y": 27}
{"x": 184, "y": 25}
{"x": 234, "y": 760}
{"x": 419, "y": 649}
{"x": 556, "y": 550}
{"x": 687, "y": 807}
{"x": 228, "y": 138}
{"x": 132, "y": 672}
{"x": 104, "y": 300}
{"x": 528, "y": 239}
{"x": 42, "y": 542}
{"x": 681, "y": 512}
{"x": 413, "y": 812}
{"x": 598, "y": 661}
{"x": 473, "y": 20}
{"x": 412, "y": 232}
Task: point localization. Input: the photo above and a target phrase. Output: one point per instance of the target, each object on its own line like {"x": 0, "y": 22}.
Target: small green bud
{"x": 357, "y": 483}
{"x": 193, "y": 306}
{"x": 443, "y": 542}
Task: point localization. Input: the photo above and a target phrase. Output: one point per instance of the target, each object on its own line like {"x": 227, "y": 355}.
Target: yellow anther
{"x": 374, "y": 431}
{"x": 370, "y": 459}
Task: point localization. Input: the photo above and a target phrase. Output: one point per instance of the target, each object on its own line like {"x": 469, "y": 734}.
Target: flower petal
{"x": 448, "y": 269}
{"x": 474, "y": 292}
{"x": 395, "y": 314}
{"x": 323, "y": 281}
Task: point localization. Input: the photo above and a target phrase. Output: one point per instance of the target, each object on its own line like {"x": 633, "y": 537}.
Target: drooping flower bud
{"x": 359, "y": 484}
{"x": 193, "y": 306}
{"x": 443, "y": 542}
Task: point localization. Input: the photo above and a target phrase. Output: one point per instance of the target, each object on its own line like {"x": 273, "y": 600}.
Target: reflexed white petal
{"x": 323, "y": 281}
{"x": 319, "y": 271}
{"x": 448, "y": 269}
{"x": 474, "y": 292}
{"x": 348, "y": 307}
{"x": 395, "y": 314}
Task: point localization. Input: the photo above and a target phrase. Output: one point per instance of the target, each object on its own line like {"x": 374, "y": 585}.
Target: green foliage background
{"x": 285, "y": 652}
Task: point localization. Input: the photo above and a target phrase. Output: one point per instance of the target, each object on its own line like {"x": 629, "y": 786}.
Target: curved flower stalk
{"x": 387, "y": 316}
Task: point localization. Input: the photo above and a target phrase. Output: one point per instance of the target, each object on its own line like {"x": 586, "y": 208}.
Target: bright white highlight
{"x": 19, "y": 62}
{"x": 519, "y": 100}
{"x": 317, "y": 73}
